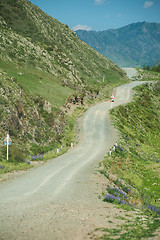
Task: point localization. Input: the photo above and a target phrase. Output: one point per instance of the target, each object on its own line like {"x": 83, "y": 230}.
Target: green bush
{"x": 16, "y": 154}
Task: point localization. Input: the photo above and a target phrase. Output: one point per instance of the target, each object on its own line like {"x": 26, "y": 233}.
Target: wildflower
{"x": 27, "y": 161}
{"x": 2, "y": 167}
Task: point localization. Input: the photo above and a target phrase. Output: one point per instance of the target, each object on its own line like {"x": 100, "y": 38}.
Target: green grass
{"x": 50, "y": 150}
{"x": 136, "y": 167}
{"x": 13, "y": 166}
{"x": 45, "y": 87}
{"x": 36, "y": 82}
{"x": 110, "y": 80}
{"x": 48, "y": 62}
{"x": 138, "y": 123}
{"x": 145, "y": 75}
{"x": 138, "y": 229}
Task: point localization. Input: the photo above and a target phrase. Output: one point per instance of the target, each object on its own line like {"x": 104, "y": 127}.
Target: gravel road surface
{"x": 59, "y": 200}
{"x": 131, "y": 72}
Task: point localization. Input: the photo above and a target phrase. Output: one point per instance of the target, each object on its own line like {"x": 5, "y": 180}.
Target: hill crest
{"x": 134, "y": 45}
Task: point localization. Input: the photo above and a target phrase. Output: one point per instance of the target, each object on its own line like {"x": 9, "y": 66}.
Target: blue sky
{"x": 100, "y": 15}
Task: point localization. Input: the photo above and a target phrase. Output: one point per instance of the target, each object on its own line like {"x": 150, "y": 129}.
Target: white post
{"x": 71, "y": 144}
{"x": 7, "y": 145}
{"x": 111, "y": 104}
{"x": 57, "y": 150}
{"x": 110, "y": 152}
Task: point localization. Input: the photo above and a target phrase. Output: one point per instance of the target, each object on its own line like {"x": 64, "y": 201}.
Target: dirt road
{"x": 59, "y": 200}
{"x": 131, "y": 72}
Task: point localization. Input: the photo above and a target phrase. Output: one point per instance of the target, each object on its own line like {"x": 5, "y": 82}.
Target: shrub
{"x": 16, "y": 154}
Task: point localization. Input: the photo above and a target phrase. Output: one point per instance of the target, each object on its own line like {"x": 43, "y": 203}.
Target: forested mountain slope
{"x": 134, "y": 45}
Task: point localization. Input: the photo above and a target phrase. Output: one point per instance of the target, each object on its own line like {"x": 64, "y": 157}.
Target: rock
{"x": 47, "y": 107}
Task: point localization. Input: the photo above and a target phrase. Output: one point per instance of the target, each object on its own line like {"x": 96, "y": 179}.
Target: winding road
{"x": 58, "y": 199}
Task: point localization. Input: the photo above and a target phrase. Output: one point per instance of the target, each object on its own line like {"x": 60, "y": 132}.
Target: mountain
{"x": 157, "y": 63}
{"x": 44, "y": 67}
{"x": 135, "y": 45}
{"x": 32, "y": 37}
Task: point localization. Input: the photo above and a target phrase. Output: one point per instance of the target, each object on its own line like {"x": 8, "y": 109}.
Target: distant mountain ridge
{"x": 134, "y": 45}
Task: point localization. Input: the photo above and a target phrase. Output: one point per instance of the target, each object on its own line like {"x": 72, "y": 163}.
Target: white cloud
{"x": 81, "y": 27}
{"x": 99, "y": 2}
{"x": 148, "y": 4}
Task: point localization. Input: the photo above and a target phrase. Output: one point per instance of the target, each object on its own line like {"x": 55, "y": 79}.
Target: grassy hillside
{"x": 29, "y": 119}
{"x": 41, "y": 46}
{"x": 44, "y": 68}
{"x": 132, "y": 169}
{"x": 33, "y": 38}
{"x": 37, "y": 82}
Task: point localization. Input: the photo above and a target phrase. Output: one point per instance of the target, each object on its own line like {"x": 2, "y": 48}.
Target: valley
{"x": 79, "y": 167}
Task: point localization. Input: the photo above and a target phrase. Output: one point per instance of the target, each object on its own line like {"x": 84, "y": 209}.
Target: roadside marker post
{"x": 112, "y": 100}
{"x": 7, "y": 142}
{"x": 111, "y": 104}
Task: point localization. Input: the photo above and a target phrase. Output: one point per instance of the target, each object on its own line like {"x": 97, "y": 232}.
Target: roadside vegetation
{"x": 154, "y": 68}
{"x": 34, "y": 109}
{"x": 133, "y": 166}
{"x": 48, "y": 76}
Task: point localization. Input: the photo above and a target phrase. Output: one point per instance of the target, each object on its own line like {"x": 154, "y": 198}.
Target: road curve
{"x": 131, "y": 72}
{"x": 29, "y": 203}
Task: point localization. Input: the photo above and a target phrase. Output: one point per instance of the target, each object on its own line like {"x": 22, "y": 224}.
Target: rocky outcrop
{"x": 27, "y": 119}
